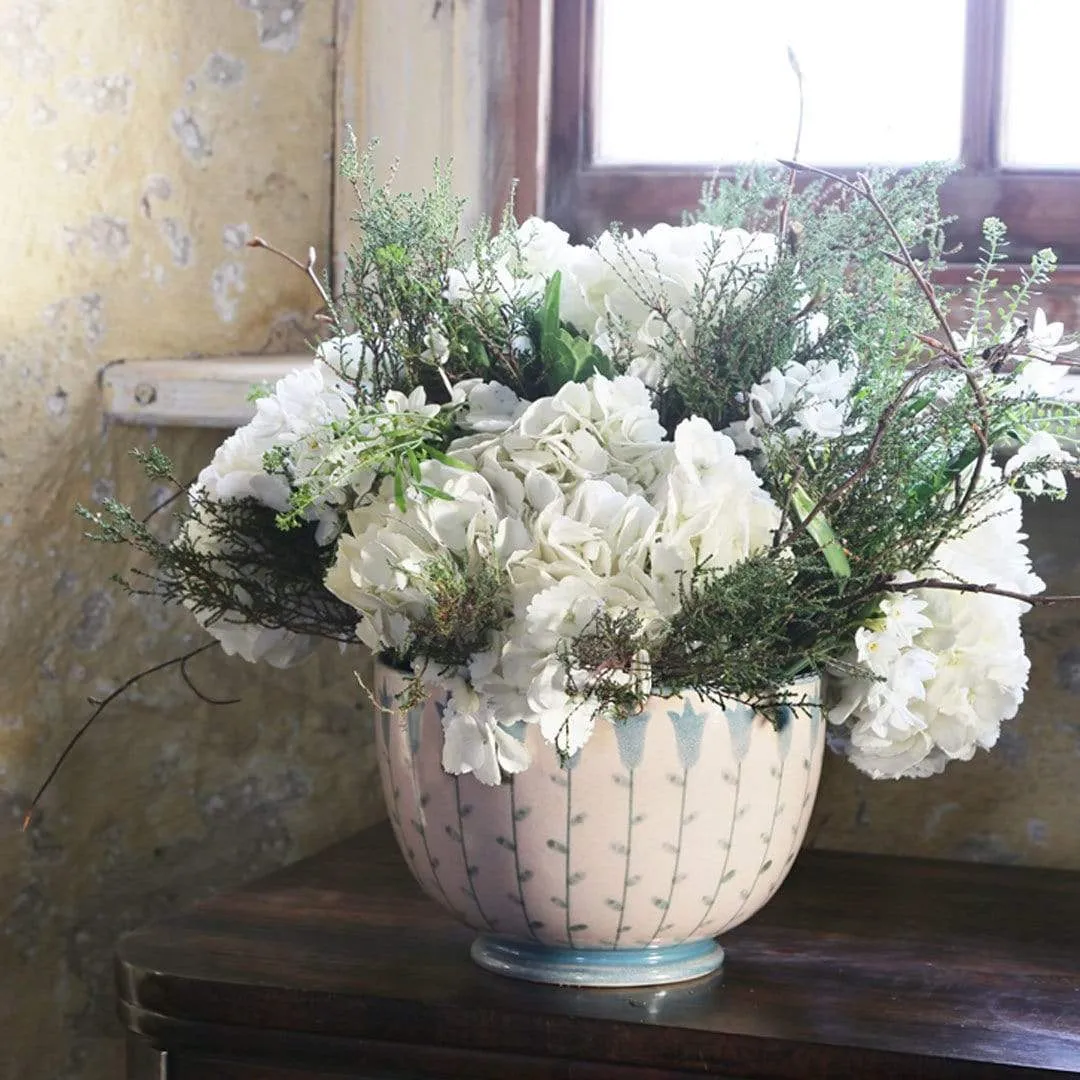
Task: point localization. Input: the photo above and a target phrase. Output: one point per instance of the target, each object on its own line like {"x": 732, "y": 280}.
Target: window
{"x": 648, "y": 99}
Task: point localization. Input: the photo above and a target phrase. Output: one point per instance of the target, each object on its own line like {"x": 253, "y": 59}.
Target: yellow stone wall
{"x": 141, "y": 142}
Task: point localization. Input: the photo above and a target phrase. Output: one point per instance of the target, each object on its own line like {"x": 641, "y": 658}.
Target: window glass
{"x": 690, "y": 82}
{"x": 1041, "y": 40}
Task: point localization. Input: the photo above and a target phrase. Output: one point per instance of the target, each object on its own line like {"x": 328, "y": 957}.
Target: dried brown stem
{"x": 873, "y": 449}
{"x": 963, "y": 586}
{"x": 786, "y": 204}
{"x": 305, "y": 268}
{"x": 865, "y": 189}
{"x": 102, "y": 705}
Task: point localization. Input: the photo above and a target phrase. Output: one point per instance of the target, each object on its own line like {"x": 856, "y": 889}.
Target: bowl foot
{"x": 566, "y": 966}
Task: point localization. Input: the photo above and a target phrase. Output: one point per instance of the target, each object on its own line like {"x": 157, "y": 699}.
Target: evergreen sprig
{"x": 228, "y": 560}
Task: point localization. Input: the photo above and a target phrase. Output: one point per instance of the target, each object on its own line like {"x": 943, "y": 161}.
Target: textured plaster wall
{"x": 140, "y": 144}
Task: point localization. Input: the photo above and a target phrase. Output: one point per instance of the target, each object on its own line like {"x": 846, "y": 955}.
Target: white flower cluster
{"x": 586, "y": 507}
{"x": 301, "y": 405}
{"x": 583, "y": 506}
{"x": 628, "y": 292}
{"x": 944, "y": 668}
{"x": 804, "y": 399}
{"x": 633, "y": 295}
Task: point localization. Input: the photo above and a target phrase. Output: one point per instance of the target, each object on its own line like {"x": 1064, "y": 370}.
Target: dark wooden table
{"x": 861, "y": 967}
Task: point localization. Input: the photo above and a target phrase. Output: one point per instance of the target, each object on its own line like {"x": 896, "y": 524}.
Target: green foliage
{"x": 469, "y": 600}
{"x": 155, "y": 463}
{"x": 257, "y": 392}
{"x": 409, "y": 257}
{"x": 368, "y": 444}
{"x": 565, "y": 356}
{"x": 911, "y": 467}
{"x": 836, "y": 260}
{"x": 819, "y": 529}
{"x": 228, "y": 560}
{"x": 434, "y": 306}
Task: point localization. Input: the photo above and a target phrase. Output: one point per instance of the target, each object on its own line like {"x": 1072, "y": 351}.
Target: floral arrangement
{"x": 556, "y": 478}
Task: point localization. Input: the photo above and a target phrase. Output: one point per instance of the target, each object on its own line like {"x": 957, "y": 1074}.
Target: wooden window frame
{"x": 1040, "y": 206}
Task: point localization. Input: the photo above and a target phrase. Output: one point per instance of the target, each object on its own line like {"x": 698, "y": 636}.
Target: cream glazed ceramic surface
{"x": 668, "y": 828}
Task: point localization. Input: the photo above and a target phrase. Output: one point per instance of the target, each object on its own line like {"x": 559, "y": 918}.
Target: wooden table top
{"x": 861, "y": 966}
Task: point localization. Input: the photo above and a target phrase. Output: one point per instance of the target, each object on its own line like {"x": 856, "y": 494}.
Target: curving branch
{"x": 104, "y": 703}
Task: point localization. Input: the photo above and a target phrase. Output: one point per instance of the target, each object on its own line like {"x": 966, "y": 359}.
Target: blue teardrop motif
{"x": 630, "y": 738}
{"x": 517, "y": 730}
{"x": 689, "y": 727}
{"x": 386, "y": 705}
{"x": 740, "y": 720}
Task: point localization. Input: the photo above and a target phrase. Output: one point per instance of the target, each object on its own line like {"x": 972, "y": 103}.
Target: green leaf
{"x": 414, "y": 466}
{"x": 474, "y": 348}
{"x": 446, "y": 459}
{"x": 562, "y": 365}
{"x": 434, "y": 492}
{"x": 820, "y": 529}
{"x": 549, "y": 316}
{"x": 399, "y": 487}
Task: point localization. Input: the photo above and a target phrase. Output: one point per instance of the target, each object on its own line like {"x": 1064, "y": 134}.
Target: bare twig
{"x": 308, "y": 268}
{"x": 102, "y": 705}
{"x": 197, "y": 692}
{"x": 181, "y": 489}
{"x": 873, "y": 449}
{"x": 786, "y": 204}
{"x": 963, "y": 586}
{"x": 949, "y": 350}
{"x": 864, "y": 188}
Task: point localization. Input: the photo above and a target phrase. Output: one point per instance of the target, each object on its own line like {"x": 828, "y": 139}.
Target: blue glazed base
{"x": 596, "y": 967}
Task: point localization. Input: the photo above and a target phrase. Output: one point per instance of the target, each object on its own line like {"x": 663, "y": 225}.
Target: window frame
{"x": 1040, "y": 206}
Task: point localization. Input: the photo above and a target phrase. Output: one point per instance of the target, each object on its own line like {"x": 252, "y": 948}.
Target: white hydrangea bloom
{"x": 713, "y": 510}
{"x": 803, "y": 399}
{"x": 303, "y": 402}
{"x": 487, "y": 406}
{"x": 345, "y": 357}
{"x": 592, "y": 429}
{"x": 475, "y": 740}
{"x": 1050, "y": 480}
{"x": 540, "y": 249}
{"x": 382, "y": 563}
{"x": 663, "y": 270}
{"x": 948, "y": 667}
{"x": 589, "y": 509}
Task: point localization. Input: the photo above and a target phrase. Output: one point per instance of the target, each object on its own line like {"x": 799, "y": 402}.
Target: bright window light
{"x": 689, "y": 82}
{"x": 1041, "y": 38}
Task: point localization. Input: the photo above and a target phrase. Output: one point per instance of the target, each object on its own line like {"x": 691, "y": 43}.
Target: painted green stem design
{"x": 421, "y": 828}
{"x": 764, "y": 854}
{"x": 727, "y": 857}
{"x": 629, "y": 849}
{"x": 666, "y": 911}
{"x": 569, "y": 808}
{"x": 465, "y": 855}
{"x": 517, "y": 861}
